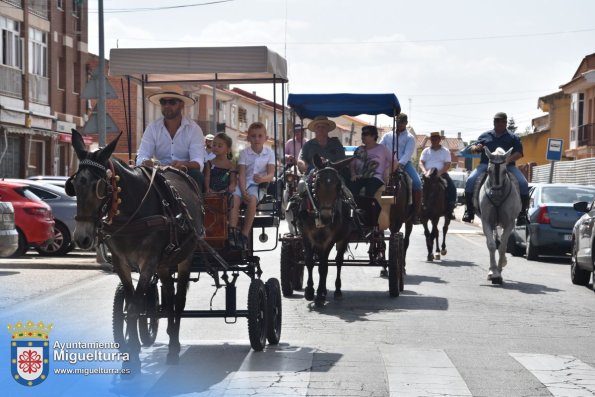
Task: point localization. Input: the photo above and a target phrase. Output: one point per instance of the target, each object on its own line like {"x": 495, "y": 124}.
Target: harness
{"x": 495, "y": 195}
{"x": 312, "y": 194}
{"x": 176, "y": 218}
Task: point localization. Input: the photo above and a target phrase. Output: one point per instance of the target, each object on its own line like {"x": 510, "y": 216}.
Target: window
{"x": 76, "y": 9}
{"x": 242, "y": 115}
{"x": 38, "y": 52}
{"x": 11, "y": 45}
{"x": 60, "y": 5}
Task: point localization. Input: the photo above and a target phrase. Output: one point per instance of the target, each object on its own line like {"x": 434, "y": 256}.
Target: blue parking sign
{"x": 554, "y": 149}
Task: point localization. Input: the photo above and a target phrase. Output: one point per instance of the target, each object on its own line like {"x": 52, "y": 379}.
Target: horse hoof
{"x": 338, "y": 295}
{"x": 384, "y": 273}
{"x": 437, "y": 257}
{"x": 496, "y": 280}
{"x": 443, "y": 252}
{"x": 172, "y": 359}
{"x": 430, "y": 258}
{"x": 319, "y": 302}
{"x": 309, "y": 293}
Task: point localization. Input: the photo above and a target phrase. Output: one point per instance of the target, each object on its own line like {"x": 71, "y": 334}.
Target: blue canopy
{"x": 333, "y": 105}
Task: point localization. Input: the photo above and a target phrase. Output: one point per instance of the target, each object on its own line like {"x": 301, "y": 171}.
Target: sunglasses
{"x": 165, "y": 101}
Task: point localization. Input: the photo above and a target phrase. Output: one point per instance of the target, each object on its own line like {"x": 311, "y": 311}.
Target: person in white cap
{"x": 208, "y": 145}
{"x": 173, "y": 139}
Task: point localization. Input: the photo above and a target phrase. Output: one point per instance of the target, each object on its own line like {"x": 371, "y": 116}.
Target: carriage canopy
{"x": 226, "y": 65}
{"x": 333, "y": 105}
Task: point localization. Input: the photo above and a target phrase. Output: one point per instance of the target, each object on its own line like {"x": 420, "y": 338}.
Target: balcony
{"x": 39, "y": 89}
{"x": 586, "y": 135}
{"x": 11, "y": 82}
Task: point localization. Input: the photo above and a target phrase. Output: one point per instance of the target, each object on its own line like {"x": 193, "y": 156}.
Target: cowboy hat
{"x": 171, "y": 92}
{"x": 321, "y": 120}
{"x": 209, "y": 137}
{"x": 436, "y": 133}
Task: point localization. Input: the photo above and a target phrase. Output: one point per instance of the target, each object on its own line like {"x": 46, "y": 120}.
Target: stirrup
{"x": 522, "y": 220}
{"x": 468, "y": 217}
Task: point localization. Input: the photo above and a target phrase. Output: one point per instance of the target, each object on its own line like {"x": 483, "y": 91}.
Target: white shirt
{"x": 256, "y": 163}
{"x": 188, "y": 144}
{"x": 406, "y": 142}
{"x": 435, "y": 158}
{"x": 210, "y": 156}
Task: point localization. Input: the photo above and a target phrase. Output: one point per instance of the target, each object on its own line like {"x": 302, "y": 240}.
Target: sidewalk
{"x": 75, "y": 260}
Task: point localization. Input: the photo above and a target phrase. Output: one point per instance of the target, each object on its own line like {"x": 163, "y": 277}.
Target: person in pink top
{"x": 294, "y": 145}
{"x": 372, "y": 163}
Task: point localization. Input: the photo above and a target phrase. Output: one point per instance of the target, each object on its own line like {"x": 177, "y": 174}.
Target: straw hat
{"x": 209, "y": 137}
{"x": 436, "y": 133}
{"x": 171, "y": 92}
{"x": 321, "y": 120}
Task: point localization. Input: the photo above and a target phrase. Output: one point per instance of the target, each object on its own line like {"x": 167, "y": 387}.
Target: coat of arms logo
{"x": 29, "y": 352}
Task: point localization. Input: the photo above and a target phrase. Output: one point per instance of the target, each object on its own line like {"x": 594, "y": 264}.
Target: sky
{"x": 452, "y": 64}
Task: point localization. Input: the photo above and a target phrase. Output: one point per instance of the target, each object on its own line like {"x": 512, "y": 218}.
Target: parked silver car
{"x": 64, "y": 210}
{"x": 9, "y": 237}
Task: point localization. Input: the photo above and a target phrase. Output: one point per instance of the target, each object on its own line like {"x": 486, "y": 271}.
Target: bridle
{"x": 314, "y": 197}
{"x": 106, "y": 190}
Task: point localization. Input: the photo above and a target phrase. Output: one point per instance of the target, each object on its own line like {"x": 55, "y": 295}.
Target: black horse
{"x": 433, "y": 208}
{"x": 149, "y": 227}
{"x": 401, "y": 212}
{"x": 324, "y": 219}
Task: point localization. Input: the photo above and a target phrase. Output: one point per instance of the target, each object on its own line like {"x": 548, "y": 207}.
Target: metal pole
{"x": 214, "y": 128}
{"x": 101, "y": 116}
{"x": 551, "y": 179}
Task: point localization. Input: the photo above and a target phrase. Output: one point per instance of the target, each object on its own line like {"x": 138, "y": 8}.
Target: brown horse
{"x": 433, "y": 208}
{"x": 145, "y": 230}
{"x": 401, "y": 209}
{"x": 324, "y": 219}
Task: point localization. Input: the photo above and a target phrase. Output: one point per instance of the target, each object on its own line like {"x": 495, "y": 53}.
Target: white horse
{"x": 500, "y": 204}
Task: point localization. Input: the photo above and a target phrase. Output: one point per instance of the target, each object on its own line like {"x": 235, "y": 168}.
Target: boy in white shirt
{"x": 256, "y": 165}
{"x": 439, "y": 157}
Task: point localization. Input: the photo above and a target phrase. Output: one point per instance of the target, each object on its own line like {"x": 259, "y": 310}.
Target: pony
{"x": 146, "y": 228}
{"x": 433, "y": 208}
{"x": 499, "y": 204}
{"x": 324, "y": 219}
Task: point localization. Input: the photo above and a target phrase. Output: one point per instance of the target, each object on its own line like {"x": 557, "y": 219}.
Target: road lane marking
{"x": 422, "y": 372}
{"x": 562, "y": 375}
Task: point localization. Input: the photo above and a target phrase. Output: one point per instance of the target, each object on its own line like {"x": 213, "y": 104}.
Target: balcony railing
{"x": 16, "y": 3}
{"x": 586, "y": 135}
{"x": 11, "y": 82}
{"x": 39, "y": 89}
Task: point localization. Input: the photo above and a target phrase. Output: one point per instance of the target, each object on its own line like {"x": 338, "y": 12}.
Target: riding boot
{"x": 417, "y": 207}
{"x": 469, "y": 211}
{"x": 522, "y": 219}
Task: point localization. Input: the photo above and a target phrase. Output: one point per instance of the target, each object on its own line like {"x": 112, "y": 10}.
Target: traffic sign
{"x": 554, "y": 149}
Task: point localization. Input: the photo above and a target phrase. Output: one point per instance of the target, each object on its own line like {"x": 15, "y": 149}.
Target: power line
{"x": 142, "y": 9}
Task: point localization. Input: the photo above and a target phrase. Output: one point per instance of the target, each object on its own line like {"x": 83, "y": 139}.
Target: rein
{"x": 312, "y": 199}
{"x": 487, "y": 192}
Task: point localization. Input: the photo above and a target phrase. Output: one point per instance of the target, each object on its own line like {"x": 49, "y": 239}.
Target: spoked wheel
{"x": 257, "y": 314}
{"x": 274, "y": 312}
{"x": 394, "y": 270}
{"x": 287, "y": 271}
{"x": 119, "y": 316}
{"x": 149, "y": 325}
{"x": 297, "y": 282}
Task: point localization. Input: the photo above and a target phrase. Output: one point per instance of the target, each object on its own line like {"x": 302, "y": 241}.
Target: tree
{"x": 511, "y": 125}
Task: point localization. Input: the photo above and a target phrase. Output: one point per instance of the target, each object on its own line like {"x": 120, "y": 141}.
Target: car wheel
{"x": 532, "y": 249}
{"x": 61, "y": 244}
{"x": 23, "y": 246}
{"x": 578, "y": 276}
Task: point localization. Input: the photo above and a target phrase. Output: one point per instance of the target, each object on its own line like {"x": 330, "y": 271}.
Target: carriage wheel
{"x": 287, "y": 270}
{"x": 148, "y": 326}
{"x": 119, "y": 315}
{"x": 401, "y": 253}
{"x": 257, "y": 314}
{"x": 394, "y": 271}
{"x": 274, "y": 311}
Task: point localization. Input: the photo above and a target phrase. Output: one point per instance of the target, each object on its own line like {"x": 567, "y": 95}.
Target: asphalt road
{"x": 451, "y": 332}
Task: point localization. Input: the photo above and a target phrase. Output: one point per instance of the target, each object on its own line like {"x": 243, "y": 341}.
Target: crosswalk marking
{"x": 422, "y": 372}
{"x": 562, "y": 375}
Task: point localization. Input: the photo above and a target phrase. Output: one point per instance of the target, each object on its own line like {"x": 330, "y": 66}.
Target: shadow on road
{"x": 525, "y": 288}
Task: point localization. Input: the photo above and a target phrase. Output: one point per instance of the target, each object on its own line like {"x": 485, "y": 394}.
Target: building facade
{"x": 44, "y": 49}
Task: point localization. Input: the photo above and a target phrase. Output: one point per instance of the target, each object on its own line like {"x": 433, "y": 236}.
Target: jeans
{"x": 481, "y": 168}
{"x": 415, "y": 180}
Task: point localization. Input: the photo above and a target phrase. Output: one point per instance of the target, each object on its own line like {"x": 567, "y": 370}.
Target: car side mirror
{"x": 581, "y": 206}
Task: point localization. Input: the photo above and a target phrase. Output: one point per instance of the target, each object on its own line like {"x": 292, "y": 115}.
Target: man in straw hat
{"x": 208, "y": 146}
{"x": 501, "y": 137}
{"x": 173, "y": 139}
{"x": 438, "y": 157}
{"x": 328, "y": 148}
{"x": 403, "y": 148}
{"x": 294, "y": 145}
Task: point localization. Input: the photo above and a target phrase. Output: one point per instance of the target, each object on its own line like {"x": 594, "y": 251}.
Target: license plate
{"x": 567, "y": 237}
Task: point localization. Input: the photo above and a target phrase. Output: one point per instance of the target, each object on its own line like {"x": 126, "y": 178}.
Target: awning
{"x": 334, "y": 105}
{"x": 199, "y": 64}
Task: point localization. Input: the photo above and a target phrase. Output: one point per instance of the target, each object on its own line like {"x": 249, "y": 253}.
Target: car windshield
{"x": 566, "y": 194}
{"x": 459, "y": 183}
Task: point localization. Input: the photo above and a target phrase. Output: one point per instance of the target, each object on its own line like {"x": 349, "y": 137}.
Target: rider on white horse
{"x": 501, "y": 137}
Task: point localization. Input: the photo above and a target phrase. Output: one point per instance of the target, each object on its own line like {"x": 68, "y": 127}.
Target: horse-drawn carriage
{"x": 169, "y": 232}
{"x": 300, "y": 246}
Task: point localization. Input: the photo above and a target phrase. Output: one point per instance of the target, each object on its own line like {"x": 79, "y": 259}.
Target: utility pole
{"x": 101, "y": 81}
